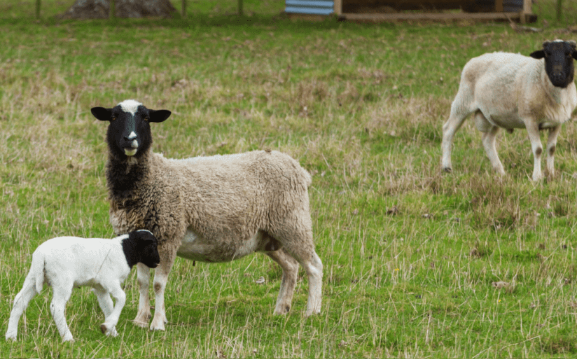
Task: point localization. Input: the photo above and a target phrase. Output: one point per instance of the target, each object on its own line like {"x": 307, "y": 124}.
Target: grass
{"x": 411, "y": 256}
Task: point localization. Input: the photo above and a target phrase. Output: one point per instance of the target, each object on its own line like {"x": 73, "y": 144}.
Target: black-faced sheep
{"x": 211, "y": 209}
{"x": 511, "y": 91}
{"x": 68, "y": 262}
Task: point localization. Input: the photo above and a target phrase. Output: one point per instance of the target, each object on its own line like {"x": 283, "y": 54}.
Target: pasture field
{"x": 410, "y": 255}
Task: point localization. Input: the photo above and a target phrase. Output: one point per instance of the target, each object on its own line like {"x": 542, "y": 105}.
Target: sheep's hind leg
{"x": 20, "y": 304}
{"x": 298, "y": 242}
{"x": 143, "y": 315}
{"x": 551, "y": 144}
{"x": 60, "y": 295}
{"x": 458, "y": 115}
{"x": 167, "y": 256}
{"x": 290, "y": 269}
{"x": 489, "y": 139}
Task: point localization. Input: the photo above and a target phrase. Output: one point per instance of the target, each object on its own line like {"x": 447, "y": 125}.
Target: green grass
{"x": 410, "y": 255}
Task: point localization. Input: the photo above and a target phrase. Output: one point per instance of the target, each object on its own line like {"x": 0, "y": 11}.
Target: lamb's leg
{"x": 489, "y": 139}
{"x": 167, "y": 256}
{"x": 459, "y": 111}
{"x": 106, "y": 305}
{"x": 533, "y": 132}
{"x": 20, "y": 304}
{"x": 551, "y": 144}
{"x": 143, "y": 315}
{"x": 109, "y": 325}
{"x": 290, "y": 269}
{"x": 60, "y": 295}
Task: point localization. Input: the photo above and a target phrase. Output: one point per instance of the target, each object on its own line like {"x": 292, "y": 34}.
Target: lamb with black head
{"x": 68, "y": 262}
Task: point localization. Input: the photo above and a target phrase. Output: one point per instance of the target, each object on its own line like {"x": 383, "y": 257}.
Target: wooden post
{"x": 183, "y": 8}
{"x": 526, "y": 11}
{"x": 240, "y": 10}
{"x": 38, "y": 9}
{"x": 338, "y": 7}
{"x": 112, "y": 13}
{"x": 499, "y": 6}
{"x": 559, "y": 10}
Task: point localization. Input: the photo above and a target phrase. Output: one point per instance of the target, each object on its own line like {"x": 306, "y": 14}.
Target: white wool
{"x": 130, "y": 106}
{"x": 67, "y": 262}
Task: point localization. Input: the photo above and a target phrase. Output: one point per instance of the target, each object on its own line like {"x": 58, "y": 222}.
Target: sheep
{"x": 210, "y": 209}
{"x": 511, "y": 91}
{"x": 68, "y": 262}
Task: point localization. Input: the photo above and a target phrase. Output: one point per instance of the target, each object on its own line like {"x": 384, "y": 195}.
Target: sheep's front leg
{"x": 551, "y": 144}
{"x": 109, "y": 326}
{"x": 167, "y": 256}
{"x": 143, "y": 315}
{"x": 533, "y": 132}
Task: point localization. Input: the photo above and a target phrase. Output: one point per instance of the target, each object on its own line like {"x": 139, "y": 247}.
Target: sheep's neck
{"x": 124, "y": 175}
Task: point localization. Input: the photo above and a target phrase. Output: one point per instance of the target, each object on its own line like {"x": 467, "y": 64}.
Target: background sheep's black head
{"x": 129, "y": 129}
{"x": 141, "y": 247}
{"x": 558, "y": 57}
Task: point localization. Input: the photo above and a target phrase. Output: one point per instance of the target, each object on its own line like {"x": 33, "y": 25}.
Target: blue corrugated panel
{"x": 314, "y": 7}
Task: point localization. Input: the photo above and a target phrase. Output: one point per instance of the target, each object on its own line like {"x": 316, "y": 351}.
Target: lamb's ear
{"x": 538, "y": 54}
{"x": 158, "y": 115}
{"x": 101, "y": 113}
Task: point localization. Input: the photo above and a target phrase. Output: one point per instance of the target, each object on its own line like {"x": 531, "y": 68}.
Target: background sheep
{"x": 513, "y": 91}
{"x": 68, "y": 262}
{"x": 212, "y": 209}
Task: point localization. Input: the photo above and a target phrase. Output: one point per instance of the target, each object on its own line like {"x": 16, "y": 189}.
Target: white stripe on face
{"x": 130, "y": 106}
{"x": 132, "y": 136}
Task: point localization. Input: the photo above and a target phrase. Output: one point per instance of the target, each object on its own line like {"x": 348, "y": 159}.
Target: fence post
{"x": 240, "y": 10}
{"x": 559, "y": 12}
{"x": 183, "y": 8}
{"x": 112, "y": 13}
{"x": 38, "y": 9}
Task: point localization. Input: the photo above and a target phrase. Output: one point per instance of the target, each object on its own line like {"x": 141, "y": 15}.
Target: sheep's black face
{"x": 129, "y": 130}
{"x": 147, "y": 248}
{"x": 559, "y": 57}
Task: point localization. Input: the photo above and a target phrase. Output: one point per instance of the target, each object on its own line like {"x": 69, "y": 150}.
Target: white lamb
{"x": 514, "y": 91}
{"x": 68, "y": 262}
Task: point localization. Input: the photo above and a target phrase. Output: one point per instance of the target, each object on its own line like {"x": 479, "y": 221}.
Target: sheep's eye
{"x": 113, "y": 118}
{"x": 146, "y": 119}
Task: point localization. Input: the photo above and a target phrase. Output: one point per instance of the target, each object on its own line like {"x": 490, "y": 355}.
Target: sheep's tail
{"x": 37, "y": 270}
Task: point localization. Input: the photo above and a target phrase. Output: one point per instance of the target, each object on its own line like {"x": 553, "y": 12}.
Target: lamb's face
{"x": 559, "y": 57}
{"x": 147, "y": 248}
{"x": 129, "y": 129}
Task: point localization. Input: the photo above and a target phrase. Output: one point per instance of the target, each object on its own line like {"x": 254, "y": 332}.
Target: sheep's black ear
{"x": 101, "y": 113}
{"x": 159, "y": 115}
{"x": 538, "y": 54}
{"x": 575, "y": 54}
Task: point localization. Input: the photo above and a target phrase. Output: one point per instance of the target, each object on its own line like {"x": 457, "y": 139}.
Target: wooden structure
{"x": 392, "y": 10}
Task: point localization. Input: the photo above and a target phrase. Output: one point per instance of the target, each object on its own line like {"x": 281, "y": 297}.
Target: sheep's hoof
{"x": 447, "y": 169}
{"x": 140, "y": 324}
{"x": 68, "y": 339}
{"x": 11, "y": 337}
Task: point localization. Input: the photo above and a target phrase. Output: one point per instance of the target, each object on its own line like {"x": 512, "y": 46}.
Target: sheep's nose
{"x": 130, "y": 137}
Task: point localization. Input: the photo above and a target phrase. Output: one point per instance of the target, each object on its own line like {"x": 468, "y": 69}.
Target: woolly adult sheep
{"x": 514, "y": 91}
{"x": 211, "y": 209}
{"x": 68, "y": 262}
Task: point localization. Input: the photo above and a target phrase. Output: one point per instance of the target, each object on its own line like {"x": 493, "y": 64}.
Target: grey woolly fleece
{"x": 225, "y": 200}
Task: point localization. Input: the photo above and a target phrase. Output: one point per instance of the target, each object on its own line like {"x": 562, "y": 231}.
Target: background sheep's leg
{"x": 533, "y": 132}
{"x": 290, "y": 269}
{"x": 20, "y": 304}
{"x": 167, "y": 256}
{"x": 61, "y": 294}
{"x": 489, "y": 139}
{"x": 459, "y": 113}
{"x": 143, "y": 315}
{"x": 551, "y": 144}
{"x": 109, "y": 325}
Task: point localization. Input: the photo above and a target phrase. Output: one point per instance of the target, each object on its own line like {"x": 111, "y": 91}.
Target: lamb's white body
{"x": 509, "y": 91}
{"x": 68, "y": 262}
